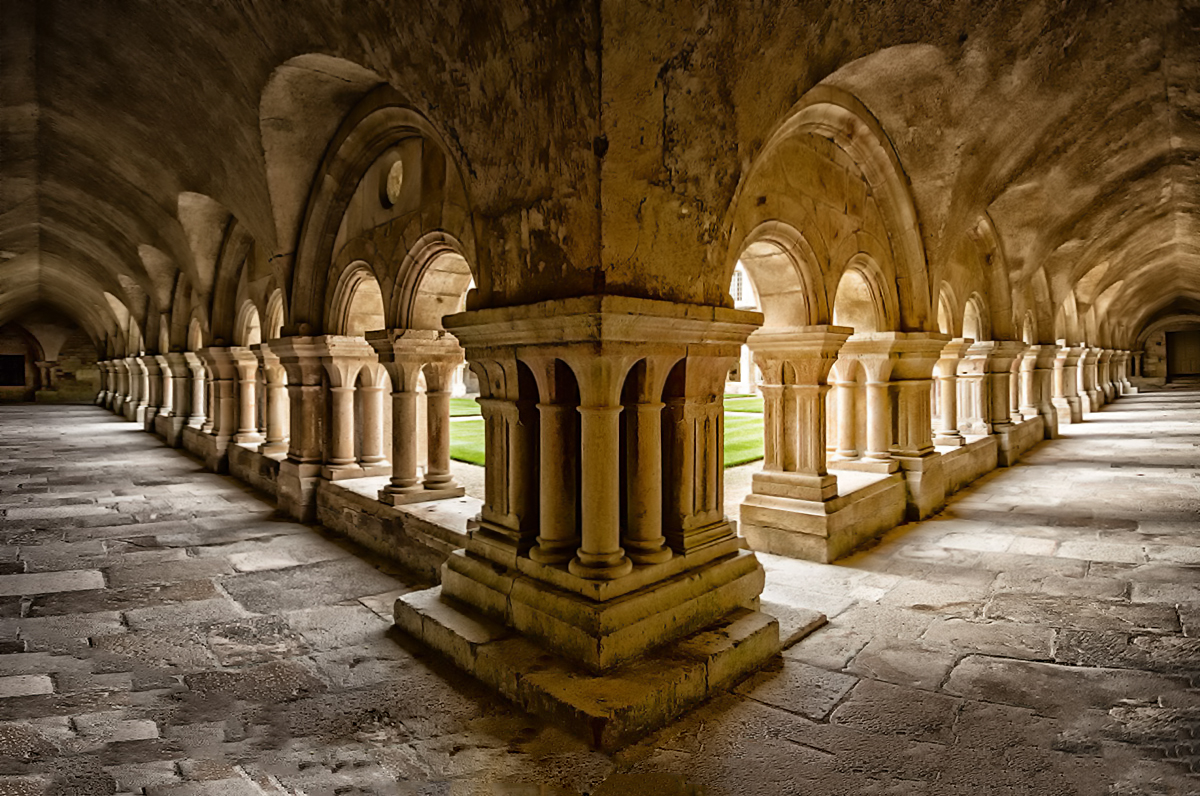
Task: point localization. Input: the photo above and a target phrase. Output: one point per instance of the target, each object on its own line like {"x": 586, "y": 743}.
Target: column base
{"x": 273, "y": 448}
{"x": 925, "y": 485}
{"x": 881, "y": 466}
{"x": 248, "y": 438}
{"x": 1007, "y": 452}
{"x": 658, "y": 604}
{"x": 823, "y": 531}
{"x": 296, "y": 490}
{"x": 1070, "y": 410}
{"x": 149, "y": 416}
{"x": 954, "y": 440}
{"x": 419, "y": 494}
{"x": 800, "y": 486}
{"x": 607, "y": 710}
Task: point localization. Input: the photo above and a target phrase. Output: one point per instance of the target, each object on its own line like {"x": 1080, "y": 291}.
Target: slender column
{"x": 197, "y": 417}
{"x": 439, "y": 381}
{"x": 275, "y": 378}
{"x": 1066, "y": 391}
{"x": 847, "y": 401}
{"x": 404, "y": 444}
{"x": 772, "y": 426}
{"x": 946, "y": 370}
{"x": 1029, "y": 386}
{"x": 246, "y": 364}
{"x": 557, "y": 540}
{"x": 1088, "y": 378}
{"x": 211, "y": 412}
{"x": 1105, "y": 366}
{"x": 371, "y": 400}
{"x": 341, "y": 427}
{"x": 879, "y": 411}
{"x": 600, "y": 555}
{"x": 644, "y": 526}
{"x": 167, "y": 388}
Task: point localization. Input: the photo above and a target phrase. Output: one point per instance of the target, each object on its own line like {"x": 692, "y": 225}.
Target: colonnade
{"x": 335, "y": 386}
{"x": 894, "y": 405}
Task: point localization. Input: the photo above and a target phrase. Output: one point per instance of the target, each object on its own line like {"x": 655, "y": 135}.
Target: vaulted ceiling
{"x": 128, "y": 129}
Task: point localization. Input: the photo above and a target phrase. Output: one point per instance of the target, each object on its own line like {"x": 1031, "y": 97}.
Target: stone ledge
{"x": 609, "y": 710}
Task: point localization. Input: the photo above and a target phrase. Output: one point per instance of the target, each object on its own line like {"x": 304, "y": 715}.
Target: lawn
{"x": 744, "y": 403}
{"x": 743, "y": 440}
{"x": 463, "y": 407}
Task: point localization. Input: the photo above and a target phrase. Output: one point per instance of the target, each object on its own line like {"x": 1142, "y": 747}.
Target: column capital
{"x": 811, "y": 351}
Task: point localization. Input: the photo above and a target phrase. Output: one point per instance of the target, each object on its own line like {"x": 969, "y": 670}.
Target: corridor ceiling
{"x": 128, "y": 129}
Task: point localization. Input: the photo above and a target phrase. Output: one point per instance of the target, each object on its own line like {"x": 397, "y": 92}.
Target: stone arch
{"x": 248, "y": 328}
{"x": 836, "y": 115}
{"x": 195, "y": 336}
{"x": 433, "y": 282}
{"x": 947, "y": 318}
{"x": 860, "y": 301}
{"x": 976, "y": 318}
{"x": 787, "y": 276}
{"x": 356, "y": 304}
{"x": 273, "y": 323}
{"x": 1029, "y": 334}
{"x": 377, "y": 125}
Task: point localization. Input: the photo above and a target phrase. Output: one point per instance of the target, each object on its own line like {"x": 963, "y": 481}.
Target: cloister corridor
{"x": 165, "y": 632}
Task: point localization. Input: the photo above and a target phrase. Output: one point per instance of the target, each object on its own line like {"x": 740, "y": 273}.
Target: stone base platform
{"x": 823, "y": 531}
{"x": 608, "y": 710}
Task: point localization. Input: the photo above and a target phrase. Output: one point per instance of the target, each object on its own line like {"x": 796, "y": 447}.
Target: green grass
{"x": 466, "y": 441}
{"x": 463, "y": 407}
{"x": 743, "y": 440}
{"x": 744, "y": 403}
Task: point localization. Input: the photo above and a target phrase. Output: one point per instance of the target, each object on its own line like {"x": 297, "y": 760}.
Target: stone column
{"x": 1105, "y": 385}
{"x": 1037, "y": 384}
{"x": 223, "y": 373}
{"x": 874, "y": 353}
{"x": 406, "y": 354}
{"x": 153, "y": 390}
{"x": 914, "y": 357}
{"x": 1089, "y": 389}
{"x": 946, "y": 372}
{"x": 846, "y": 388}
{"x": 600, "y": 339}
{"x": 103, "y": 389}
{"x": 277, "y": 431}
{"x": 176, "y": 373}
{"x": 245, "y": 363}
{"x": 1066, "y": 398}
{"x": 786, "y": 511}
{"x": 372, "y": 456}
{"x": 133, "y": 393}
{"x": 46, "y": 375}
{"x": 198, "y": 417}
{"x": 558, "y": 465}
{"x": 166, "y": 387}
{"x": 1124, "y": 360}
{"x": 1000, "y": 360}
{"x": 300, "y": 470}
{"x": 644, "y": 539}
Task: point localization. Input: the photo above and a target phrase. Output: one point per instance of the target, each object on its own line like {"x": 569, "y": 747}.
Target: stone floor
{"x": 165, "y": 632}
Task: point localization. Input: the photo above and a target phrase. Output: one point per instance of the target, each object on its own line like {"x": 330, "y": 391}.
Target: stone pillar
{"x": 570, "y": 608}
{"x": 133, "y": 393}
{"x": 222, "y": 369}
{"x": 198, "y": 408}
{"x": 645, "y": 541}
{"x": 372, "y": 454}
{"x": 102, "y": 392}
{"x": 46, "y": 375}
{"x": 789, "y": 509}
{"x": 245, "y": 363}
{"x": 152, "y": 394}
{"x": 177, "y": 373}
{"x": 915, "y": 354}
{"x": 1108, "y": 392}
{"x": 406, "y": 354}
{"x": 846, "y": 387}
{"x": 1088, "y": 375}
{"x": 299, "y": 471}
{"x": 874, "y": 354}
{"x": 166, "y": 387}
{"x": 1066, "y": 398}
{"x": 1001, "y": 355}
{"x": 946, "y": 372}
{"x": 1123, "y": 361}
{"x": 278, "y": 426}
{"x": 1037, "y": 385}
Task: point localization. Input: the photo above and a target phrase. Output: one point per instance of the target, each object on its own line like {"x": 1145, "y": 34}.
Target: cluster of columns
{"x": 605, "y": 451}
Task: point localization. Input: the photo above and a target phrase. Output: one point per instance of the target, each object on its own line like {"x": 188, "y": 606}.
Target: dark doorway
{"x": 1183, "y": 353}
{"x": 12, "y": 370}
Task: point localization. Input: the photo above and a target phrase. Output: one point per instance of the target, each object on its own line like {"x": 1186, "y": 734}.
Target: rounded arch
{"x": 1029, "y": 334}
{"x": 836, "y": 115}
{"x": 975, "y": 319}
{"x": 376, "y": 125}
{"x": 433, "y": 281}
{"x": 786, "y": 274}
{"x": 947, "y": 317}
{"x": 248, "y": 328}
{"x": 356, "y": 304}
{"x": 273, "y": 323}
{"x": 860, "y": 302}
{"x": 195, "y": 335}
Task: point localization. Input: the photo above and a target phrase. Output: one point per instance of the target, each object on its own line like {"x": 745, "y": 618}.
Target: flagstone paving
{"x": 164, "y": 631}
